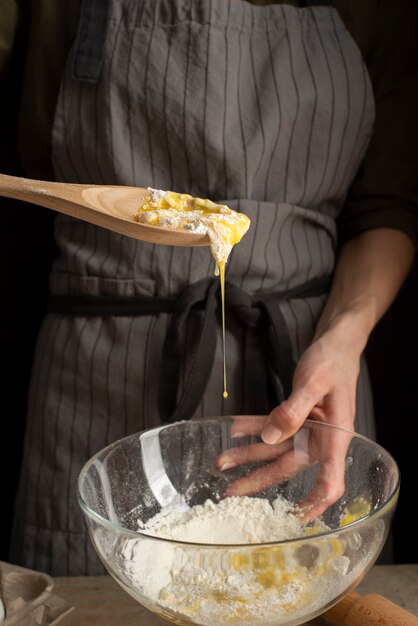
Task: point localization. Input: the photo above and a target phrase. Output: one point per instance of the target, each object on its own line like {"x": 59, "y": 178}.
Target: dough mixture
{"x": 234, "y": 583}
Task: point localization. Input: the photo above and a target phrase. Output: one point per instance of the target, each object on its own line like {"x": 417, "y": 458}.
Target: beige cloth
{"x": 28, "y": 599}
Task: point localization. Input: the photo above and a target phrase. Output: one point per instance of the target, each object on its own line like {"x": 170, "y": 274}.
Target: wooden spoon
{"x": 110, "y": 206}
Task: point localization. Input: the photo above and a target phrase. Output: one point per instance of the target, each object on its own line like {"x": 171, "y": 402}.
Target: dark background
{"x": 392, "y": 354}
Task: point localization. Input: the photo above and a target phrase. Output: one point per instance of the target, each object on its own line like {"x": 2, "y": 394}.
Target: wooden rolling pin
{"x": 370, "y": 610}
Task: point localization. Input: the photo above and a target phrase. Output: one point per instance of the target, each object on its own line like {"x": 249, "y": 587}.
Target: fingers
{"x": 285, "y": 467}
{"x": 253, "y": 453}
{"x": 329, "y": 487}
{"x": 246, "y": 425}
{"x": 331, "y": 448}
{"x": 286, "y": 419}
{"x": 322, "y": 447}
{"x": 253, "y": 483}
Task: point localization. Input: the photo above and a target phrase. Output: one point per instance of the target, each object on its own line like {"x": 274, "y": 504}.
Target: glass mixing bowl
{"x": 287, "y": 582}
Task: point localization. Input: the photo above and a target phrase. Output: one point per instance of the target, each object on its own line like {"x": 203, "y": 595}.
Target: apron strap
{"x": 268, "y": 359}
{"x": 199, "y": 300}
{"x": 91, "y": 35}
{"x": 117, "y": 306}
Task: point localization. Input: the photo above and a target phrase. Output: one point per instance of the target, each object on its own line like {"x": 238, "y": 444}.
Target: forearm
{"x": 369, "y": 273}
{"x": 370, "y": 270}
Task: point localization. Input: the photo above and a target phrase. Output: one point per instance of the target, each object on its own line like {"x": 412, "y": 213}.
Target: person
{"x": 299, "y": 115}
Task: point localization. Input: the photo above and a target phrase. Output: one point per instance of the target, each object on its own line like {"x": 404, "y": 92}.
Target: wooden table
{"x": 100, "y": 601}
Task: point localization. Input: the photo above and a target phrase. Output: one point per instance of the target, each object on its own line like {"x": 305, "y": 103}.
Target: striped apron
{"x": 267, "y": 109}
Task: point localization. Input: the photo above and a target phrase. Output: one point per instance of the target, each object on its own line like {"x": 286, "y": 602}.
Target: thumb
{"x": 286, "y": 419}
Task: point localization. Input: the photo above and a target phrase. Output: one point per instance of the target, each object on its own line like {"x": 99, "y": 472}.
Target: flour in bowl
{"x": 234, "y": 581}
{"x": 233, "y": 520}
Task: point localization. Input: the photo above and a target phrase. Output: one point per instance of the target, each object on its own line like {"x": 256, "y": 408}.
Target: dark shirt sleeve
{"x": 9, "y": 25}
{"x": 10, "y": 61}
{"x": 384, "y": 193}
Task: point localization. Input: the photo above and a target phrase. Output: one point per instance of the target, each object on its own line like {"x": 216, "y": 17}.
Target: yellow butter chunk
{"x": 181, "y": 211}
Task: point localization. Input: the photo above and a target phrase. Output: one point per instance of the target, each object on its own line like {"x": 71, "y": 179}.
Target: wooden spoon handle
{"x": 109, "y": 206}
{"x": 61, "y": 197}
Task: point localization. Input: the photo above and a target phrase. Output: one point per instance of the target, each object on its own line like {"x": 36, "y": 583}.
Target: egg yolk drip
{"x": 224, "y": 227}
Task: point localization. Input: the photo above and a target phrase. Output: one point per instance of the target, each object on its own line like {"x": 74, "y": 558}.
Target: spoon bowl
{"x": 109, "y": 206}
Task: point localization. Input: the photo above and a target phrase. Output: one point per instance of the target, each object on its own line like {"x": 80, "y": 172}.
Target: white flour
{"x": 232, "y": 521}
{"x": 226, "y": 584}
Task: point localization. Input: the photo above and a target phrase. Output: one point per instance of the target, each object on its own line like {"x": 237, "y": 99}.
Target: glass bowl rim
{"x": 341, "y": 530}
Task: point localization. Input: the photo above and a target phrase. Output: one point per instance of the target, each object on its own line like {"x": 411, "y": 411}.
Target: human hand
{"x": 307, "y": 448}
{"x": 370, "y": 269}
{"x": 324, "y": 389}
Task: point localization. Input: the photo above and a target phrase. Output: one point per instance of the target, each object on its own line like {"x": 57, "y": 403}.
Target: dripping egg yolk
{"x": 180, "y": 211}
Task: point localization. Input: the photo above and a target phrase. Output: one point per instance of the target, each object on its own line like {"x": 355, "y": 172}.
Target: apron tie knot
{"x": 268, "y": 360}
{"x": 242, "y": 305}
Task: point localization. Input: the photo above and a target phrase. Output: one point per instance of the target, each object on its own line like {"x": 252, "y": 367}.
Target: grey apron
{"x": 268, "y": 109}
